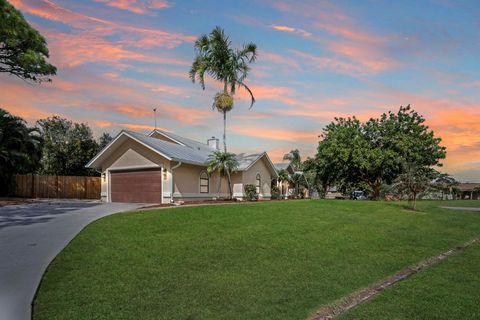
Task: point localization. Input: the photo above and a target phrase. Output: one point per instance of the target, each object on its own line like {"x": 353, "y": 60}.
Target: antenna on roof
{"x": 155, "y": 116}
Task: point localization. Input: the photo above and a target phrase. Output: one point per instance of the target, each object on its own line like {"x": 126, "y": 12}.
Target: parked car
{"x": 358, "y": 195}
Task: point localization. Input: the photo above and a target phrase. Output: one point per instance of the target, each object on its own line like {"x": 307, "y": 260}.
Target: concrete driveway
{"x": 31, "y": 235}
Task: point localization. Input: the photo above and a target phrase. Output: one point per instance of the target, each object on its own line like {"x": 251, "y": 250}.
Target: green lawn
{"x": 272, "y": 260}
{"x": 450, "y": 290}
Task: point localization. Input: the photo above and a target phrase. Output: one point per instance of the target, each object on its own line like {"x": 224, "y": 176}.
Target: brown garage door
{"x": 136, "y": 186}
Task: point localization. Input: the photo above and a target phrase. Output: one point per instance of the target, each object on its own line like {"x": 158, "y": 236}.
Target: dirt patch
{"x": 351, "y": 301}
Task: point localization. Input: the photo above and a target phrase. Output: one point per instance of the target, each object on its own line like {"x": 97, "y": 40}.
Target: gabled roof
{"x": 468, "y": 186}
{"x": 184, "y": 150}
{"x": 284, "y": 166}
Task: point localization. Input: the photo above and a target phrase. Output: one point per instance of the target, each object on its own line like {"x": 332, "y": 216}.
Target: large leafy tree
{"x": 224, "y": 163}
{"x": 378, "y": 151}
{"x": 23, "y": 50}
{"x": 19, "y": 149}
{"x": 67, "y": 147}
{"x": 216, "y": 57}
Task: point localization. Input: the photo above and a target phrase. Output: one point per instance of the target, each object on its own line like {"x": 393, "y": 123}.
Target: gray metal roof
{"x": 186, "y": 141}
{"x": 246, "y": 160}
{"x": 281, "y": 166}
{"x": 192, "y": 152}
{"x": 194, "y": 155}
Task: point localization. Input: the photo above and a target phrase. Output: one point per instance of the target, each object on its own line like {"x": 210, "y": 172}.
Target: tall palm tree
{"x": 216, "y": 57}
{"x": 294, "y": 158}
{"x": 225, "y": 164}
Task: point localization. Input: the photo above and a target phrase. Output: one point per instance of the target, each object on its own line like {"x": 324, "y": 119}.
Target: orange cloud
{"x": 275, "y": 134}
{"x": 302, "y": 32}
{"x": 129, "y": 35}
{"x": 370, "y": 57}
{"x": 135, "y": 6}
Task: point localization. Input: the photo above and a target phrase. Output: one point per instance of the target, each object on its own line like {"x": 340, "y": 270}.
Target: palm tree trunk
{"x": 230, "y": 186}
{"x": 219, "y": 184}
{"x": 225, "y": 131}
{"x": 225, "y": 90}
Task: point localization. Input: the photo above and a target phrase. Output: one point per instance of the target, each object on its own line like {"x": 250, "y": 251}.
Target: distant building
{"x": 469, "y": 190}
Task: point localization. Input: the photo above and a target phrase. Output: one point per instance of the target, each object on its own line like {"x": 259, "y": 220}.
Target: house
{"x": 469, "y": 190}
{"x": 163, "y": 167}
{"x": 287, "y": 188}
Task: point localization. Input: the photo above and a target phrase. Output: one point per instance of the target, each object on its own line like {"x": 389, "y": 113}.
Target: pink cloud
{"x": 137, "y": 6}
{"x": 274, "y": 134}
{"x": 302, "y": 32}
{"x": 130, "y": 35}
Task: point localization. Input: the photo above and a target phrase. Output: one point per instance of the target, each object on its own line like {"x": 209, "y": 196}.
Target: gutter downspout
{"x": 173, "y": 182}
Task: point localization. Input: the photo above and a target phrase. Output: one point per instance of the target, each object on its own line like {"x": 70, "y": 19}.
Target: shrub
{"x": 275, "y": 192}
{"x": 251, "y": 192}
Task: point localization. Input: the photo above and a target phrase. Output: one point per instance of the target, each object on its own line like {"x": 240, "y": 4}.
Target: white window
{"x": 204, "y": 182}
{"x": 258, "y": 183}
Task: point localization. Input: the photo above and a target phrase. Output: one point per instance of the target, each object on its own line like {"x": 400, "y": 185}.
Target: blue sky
{"x": 118, "y": 59}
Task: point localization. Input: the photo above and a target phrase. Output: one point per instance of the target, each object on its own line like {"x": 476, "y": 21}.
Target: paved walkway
{"x": 31, "y": 235}
{"x": 462, "y": 208}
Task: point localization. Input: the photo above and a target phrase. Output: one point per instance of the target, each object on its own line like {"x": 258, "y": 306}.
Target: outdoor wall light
{"x": 164, "y": 173}
{"x": 103, "y": 176}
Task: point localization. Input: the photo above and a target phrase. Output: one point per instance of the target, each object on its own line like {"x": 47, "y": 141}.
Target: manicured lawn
{"x": 277, "y": 260}
{"x": 451, "y": 290}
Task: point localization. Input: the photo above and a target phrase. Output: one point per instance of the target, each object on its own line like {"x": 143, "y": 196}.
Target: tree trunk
{"x": 225, "y": 90}
{"x": 225, "y": 131}
{"x": 219, "y": 185}
{"x": 230, "y": 186}
{"x": 414, "y": 201}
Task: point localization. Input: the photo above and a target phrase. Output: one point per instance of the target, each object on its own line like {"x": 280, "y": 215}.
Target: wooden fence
{"x": 68, "y": 187}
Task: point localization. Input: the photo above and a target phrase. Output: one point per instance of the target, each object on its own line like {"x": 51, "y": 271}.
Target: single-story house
{"x": 469, "y": 190}
{"x": 163, "y": 167}
{"x": 287, "y": 188}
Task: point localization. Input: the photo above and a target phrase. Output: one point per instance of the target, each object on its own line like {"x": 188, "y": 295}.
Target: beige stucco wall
{"x": 187, "y": 182}
{"x": 249, "y": 177}
{"x": 132, "y": 155}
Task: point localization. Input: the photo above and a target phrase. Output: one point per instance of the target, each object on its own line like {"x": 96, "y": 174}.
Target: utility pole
{"x": 155, "y": 116}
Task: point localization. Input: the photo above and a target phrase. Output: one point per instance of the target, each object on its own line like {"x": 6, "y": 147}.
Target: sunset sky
{"x": 118, "y": 59}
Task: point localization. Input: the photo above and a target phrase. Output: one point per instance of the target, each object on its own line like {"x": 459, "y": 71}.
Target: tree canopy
{"x": 67, "y": 147}
{"x": 20, "y": 149}
{"x": 352, "y": 153}
{"x": 216, "y": 57}
{"x": 23, "y": 50}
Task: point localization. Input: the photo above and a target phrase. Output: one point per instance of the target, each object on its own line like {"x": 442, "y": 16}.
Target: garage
{"x": 136, "y": 186}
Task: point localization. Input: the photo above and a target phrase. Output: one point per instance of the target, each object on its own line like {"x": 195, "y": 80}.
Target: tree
{"x": 104, "y": 140}
{"x": 377, "y": 152}
{"x": 444, "y": 182}
{"x": 225, "y": 164}
{"x": 283, "y": 176}
{"x": 294, "y": 158}
{"x": 23, "y": 50}
{"x": 19, "y": 149}
{"x": 216, "y": 57}
{"x": 413, "y": 181}
{"x": 67, "y": 147}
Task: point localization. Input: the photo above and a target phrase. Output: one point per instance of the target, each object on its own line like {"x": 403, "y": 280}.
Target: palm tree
{"x": 225, "y": 164}
{"x": 20, "y": 149}
{"x": 283, "y": 176}
{"x": 294, "y": 158}
{"x": 216, "y": 57}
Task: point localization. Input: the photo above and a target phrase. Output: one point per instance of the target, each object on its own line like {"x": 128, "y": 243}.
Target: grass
{"x": 276, "y": 260}
{"x": 447, "y": 291}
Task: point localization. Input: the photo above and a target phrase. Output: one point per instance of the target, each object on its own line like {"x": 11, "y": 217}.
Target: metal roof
{"x": 189, "y": 151}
